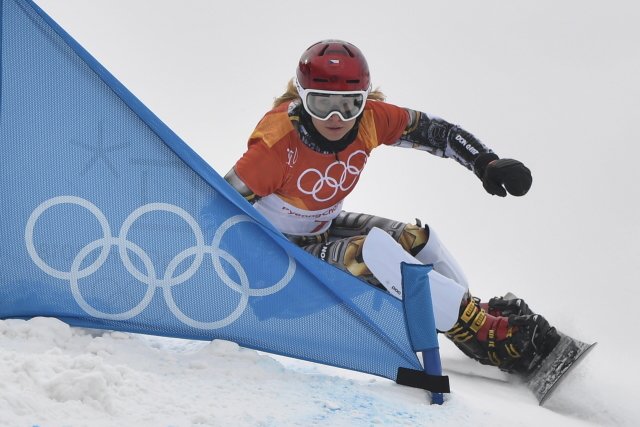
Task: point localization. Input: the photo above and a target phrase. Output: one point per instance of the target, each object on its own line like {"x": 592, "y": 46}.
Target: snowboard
{"x": 550, "y": 372}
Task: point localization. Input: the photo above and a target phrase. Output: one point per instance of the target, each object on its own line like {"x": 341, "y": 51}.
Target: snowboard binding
{"x": 503, "y": 333}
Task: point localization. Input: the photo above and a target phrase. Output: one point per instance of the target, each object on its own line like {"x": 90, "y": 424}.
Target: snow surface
{"x": 551, "y": 83}
{"x": 54, "y": 375}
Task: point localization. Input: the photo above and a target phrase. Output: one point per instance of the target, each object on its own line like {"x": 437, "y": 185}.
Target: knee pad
{"x": 348, "y": 224}
{"x": 436, "y": 254}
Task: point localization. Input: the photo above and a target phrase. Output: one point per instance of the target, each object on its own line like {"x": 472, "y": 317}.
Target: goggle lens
{"x": 323, "y": 105}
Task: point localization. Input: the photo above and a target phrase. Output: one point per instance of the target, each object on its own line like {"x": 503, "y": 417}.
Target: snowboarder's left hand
{"x": 507, "y": 174}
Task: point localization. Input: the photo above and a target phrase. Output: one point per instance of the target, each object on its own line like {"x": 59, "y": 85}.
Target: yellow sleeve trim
{"x": 368, "y": 131}
{"x": 273, "y": 128}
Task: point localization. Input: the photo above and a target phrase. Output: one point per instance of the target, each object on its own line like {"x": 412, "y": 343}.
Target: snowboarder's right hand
{"x": 508, "y": 174}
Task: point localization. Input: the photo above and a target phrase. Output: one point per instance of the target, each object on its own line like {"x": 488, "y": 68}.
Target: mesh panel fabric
{"x": 111, "y": 221}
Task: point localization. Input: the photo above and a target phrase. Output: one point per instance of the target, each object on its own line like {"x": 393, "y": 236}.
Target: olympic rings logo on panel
{"x": 150, "y": 278}
{"x": 346, "y": 173}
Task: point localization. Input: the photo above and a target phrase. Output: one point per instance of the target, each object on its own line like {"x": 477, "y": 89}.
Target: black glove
{"x": 511, "y": 174}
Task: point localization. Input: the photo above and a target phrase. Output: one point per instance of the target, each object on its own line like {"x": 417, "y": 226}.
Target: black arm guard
{"x": 444, "y": 139}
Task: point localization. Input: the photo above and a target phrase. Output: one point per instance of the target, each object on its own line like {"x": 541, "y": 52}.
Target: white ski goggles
{"x": 322, "y": 104}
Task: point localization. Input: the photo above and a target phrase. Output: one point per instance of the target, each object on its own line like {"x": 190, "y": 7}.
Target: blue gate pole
{"x": 433, "y": 366}
{"x": 421, "y": 324}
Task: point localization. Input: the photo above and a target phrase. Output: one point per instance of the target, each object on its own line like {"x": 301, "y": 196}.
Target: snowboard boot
{"x": 507, "y": 334}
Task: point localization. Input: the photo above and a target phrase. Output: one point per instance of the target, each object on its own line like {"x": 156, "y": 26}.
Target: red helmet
{"x": 333, "y": 65}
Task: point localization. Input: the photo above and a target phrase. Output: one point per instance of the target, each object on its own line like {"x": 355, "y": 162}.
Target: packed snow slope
{"x": 54, "y": 375}
{"x": 553, "y": 84}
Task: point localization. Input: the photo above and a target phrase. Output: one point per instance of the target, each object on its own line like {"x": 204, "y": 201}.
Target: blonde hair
{"x": 291, "y": 94}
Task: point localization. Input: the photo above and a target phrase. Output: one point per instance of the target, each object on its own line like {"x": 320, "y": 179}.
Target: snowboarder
{"x": 306, "y": 155}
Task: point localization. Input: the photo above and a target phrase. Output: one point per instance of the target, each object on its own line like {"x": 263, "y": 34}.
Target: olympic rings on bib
{"x": 346, "y": 173}
{"x": 149, "y": 276}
